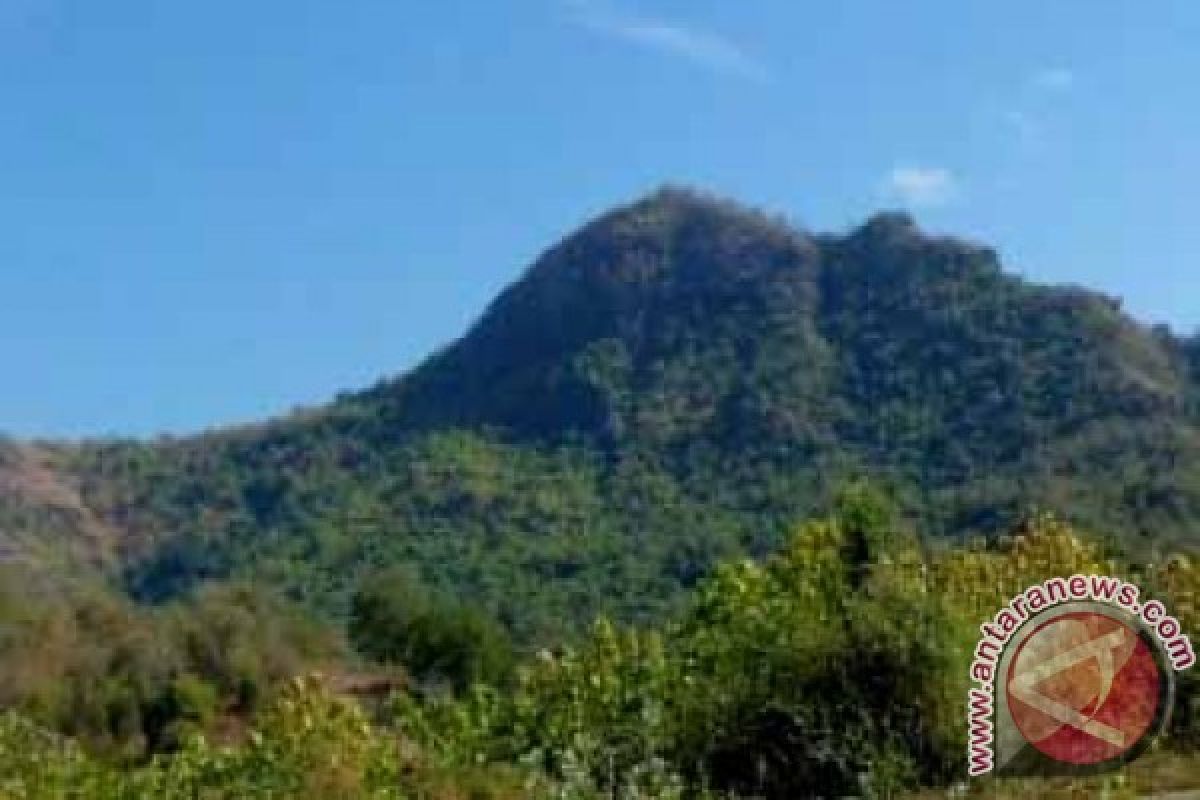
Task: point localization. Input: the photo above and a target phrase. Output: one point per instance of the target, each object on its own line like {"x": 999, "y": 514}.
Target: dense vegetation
{"x": 836, "y": 667}
{"x": 127, "y": 681}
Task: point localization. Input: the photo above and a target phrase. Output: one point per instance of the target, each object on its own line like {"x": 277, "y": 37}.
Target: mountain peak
{"x": 637, "y": 284}
{"x": 672, "y": 211}
{"x": 684, "y": 316}
{"x": 888, "y": 224}
{"x": 682, "y": 375}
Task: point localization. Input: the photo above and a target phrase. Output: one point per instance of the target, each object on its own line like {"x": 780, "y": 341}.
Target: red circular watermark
{"x": 1084, "y": 688}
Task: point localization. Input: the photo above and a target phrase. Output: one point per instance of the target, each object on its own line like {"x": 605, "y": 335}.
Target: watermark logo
{"x": 1074, "y": 676}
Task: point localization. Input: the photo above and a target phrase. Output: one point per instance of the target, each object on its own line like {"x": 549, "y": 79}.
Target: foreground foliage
{"x": 129, "y": 681}
{"x": 837, "y": 667}
{"x": 308, "y": 744}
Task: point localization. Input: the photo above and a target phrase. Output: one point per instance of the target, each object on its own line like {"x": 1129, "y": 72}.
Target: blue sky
{"x": 213, "y": 212}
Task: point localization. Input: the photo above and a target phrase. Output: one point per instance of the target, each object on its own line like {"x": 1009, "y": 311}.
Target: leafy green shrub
{"x": 396, "y": 619}
{"x": 126, "y": 681}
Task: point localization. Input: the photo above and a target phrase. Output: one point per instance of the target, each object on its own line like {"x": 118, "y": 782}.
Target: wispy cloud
{"x": 1053, "y": 79}
{"x": 1032, "y": 110}
{"x": 1020, "y": 126}
{"x": 700, "y": 47}
{"x": 920, "y": 186}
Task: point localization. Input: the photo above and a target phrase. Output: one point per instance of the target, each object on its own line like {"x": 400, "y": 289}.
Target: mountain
{"x": 675, "y": 383}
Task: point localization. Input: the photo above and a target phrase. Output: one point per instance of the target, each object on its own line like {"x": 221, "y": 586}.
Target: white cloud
{"x": 1054, "y": 79}
{"x": 699, "y": 47}
{"x": 921, "y": 186}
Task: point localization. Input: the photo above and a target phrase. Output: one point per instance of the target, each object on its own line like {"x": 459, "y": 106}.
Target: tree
{"x": 396, "y": 618}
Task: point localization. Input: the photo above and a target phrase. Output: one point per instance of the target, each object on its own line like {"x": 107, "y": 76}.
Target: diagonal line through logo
{"x": 1100, "y": 648}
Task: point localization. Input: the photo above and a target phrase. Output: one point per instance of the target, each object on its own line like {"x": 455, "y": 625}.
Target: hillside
{"x": 673, "y": 384}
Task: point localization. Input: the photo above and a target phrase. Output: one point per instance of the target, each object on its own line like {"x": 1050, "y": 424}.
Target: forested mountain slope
{"x": 674, "y": 383}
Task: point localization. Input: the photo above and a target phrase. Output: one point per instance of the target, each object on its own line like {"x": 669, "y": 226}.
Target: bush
{"x": 396, "y": 619}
